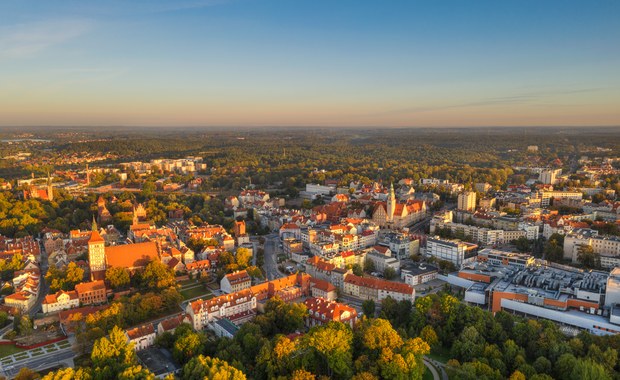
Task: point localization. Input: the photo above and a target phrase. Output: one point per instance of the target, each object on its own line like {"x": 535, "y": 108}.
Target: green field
{"x": 427, "y": 374}
{"x": 6, "y": 350}
{"x": 195, "y": 292}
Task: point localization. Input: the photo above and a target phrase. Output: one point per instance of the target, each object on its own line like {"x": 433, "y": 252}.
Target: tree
{"x": 429, "y": 335}
{"x": 157, "y": 275}
{"x": 65, "y": 278}
{"x": 243, "y": 257}
{"x": 187, "y": 346}
{"x": 522, "y": 244}
{"x": 368, "y": 308}
{"x": 112, "y": 355}
{"x": 554, "y": 248}
{"x": 68, "y": 374}
{"x": 369, "y": 266}
{"x": 587, "y": 257}
{"x": 357, "y": 270}
{"x": 27, "y": 374}
{"x": 389, "y": 273}
{"x": 329, "y": 349}
{"x": 204, "y": 367}
{"x": 117, "y": 277}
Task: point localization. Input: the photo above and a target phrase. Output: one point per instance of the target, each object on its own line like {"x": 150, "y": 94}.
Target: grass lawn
{"x": 428, "y": 375}
{"x": 9, "y": 349}
{"x": 441, "y": 355}
{"x": 195, "y": 292}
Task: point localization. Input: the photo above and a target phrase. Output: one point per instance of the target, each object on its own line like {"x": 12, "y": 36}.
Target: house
{"x": 142, "y": 336}
{"x": 171, "y": 324}
{"x": 91, "y": 293}
{"x": 323, "y": 289}
{"x": 376, "y": 289}
{"x": 322, "y": 311}
{"x": 60, "y": 301}
{"x": 234, "y": 282}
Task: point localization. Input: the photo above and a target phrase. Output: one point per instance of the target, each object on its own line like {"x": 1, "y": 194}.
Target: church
{"x": 393, "y": 214}
{"x": 131, "y": 256}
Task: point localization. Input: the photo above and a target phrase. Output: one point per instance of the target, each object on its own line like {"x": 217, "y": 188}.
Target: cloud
{"x": 493, "y": 101}
{"x": 24, "y": 40}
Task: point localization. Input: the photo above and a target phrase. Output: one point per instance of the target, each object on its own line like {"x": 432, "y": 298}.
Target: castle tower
{"x": 87, "y": 176}
{"x": 96, "y": 254}
{"x": 391, "y": 204}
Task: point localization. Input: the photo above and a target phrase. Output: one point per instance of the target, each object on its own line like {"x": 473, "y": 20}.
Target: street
{"x": 40, "y": 362}
{"x": 271, "y": 263}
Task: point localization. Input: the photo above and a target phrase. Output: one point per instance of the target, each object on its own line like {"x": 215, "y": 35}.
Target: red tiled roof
{"x": 376, "y": 283}
{"x": 131, "y": 255}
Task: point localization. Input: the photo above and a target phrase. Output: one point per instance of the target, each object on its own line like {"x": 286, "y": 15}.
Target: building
{"x": 323, "y": 289}
{"x": 91, "y": 293}
{"x": 457, "y": 252}
{"x": 129, "y": 256}
{"x": 234, "y": 282}
{"x": 224, "y": 328}
{"x": 466, "y": 201}
{"x": 417, "y": 275}
{"x": 60, "y": 301}
{"x": 367, "y": 288}
{"x": 171, "y": 324}
{"x": 322, "y": 311}
{"x": 382, "y": 261}
{"x": 549, "y": 176}
{"x": 142, "y": 337}
{"x": 393, "y": 214}
{"x": 546, "y": 196}
{"x": 608, "y": 247}
{"x": 503, "y": 258}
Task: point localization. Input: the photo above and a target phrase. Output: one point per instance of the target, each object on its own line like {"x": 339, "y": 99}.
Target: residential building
{"x": 142, "y": 337}
{"x": 466, "y": 201}
{"x": 91, "y": 293}
{"x": 61, "y": 300}
{"x": 376, "y": 289}
{"x": 420, "y": 274}
{"x": 234, "y": 282}
{"x": 322, "y": 311}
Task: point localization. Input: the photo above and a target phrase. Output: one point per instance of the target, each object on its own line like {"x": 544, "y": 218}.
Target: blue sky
{"x": 299, "y": 63}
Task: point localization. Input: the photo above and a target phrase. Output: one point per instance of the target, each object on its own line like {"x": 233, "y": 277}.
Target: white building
{"x": 454, "y": 251}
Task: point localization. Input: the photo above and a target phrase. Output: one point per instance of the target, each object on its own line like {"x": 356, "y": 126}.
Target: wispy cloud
{"x": 23, "y": 40}
{"x": 526, "y": 98}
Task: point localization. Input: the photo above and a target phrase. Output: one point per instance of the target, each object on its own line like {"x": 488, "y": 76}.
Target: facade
{"x": 393, "y": 214}
{"x": 549, "y": 176}
{"x": 142, "y": 336}
{"x": 608, "y": 247}
{"x": 457, "y": 252}
{"x": 322, "y": 311}
{"x": 418, "y": 275}
{"x": 91, "y": 293}
{"x": 234, "y": 282}
{"x": 60, "y": 301}
{"x": 467, "y": 201}
{"x": 376, "y": 289}
{"x": 546, "y": 196}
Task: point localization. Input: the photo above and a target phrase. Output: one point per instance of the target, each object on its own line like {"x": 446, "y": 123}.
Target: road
{"x": 432, "y": 369}
{"x": 40, "y": 363}
{"x": 44, "y": 286}
{"x": 271, "y": 263}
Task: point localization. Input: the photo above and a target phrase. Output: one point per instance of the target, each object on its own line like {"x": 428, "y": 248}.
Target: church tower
{"x": 96, "y": 253}
{"x": 391, "y": 204}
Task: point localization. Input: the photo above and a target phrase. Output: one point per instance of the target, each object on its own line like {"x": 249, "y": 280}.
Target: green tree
{"x": 587, "y": 257}
{"x": 69, "y": 374}
{"x": 117, "y": 277}
{"x": 389, "y": 273}
{"x": 243, "y": 257}
{"x": 204, "y": 367}
{"x": 329, "y": 349}
{"x": 368, "y": 308}
{"x": 187, "y": 346}
{"x": 112, "y": 355}
{"x": 27, "y": 374}
{"x": 429, "y": 335}
{"x": 157, "y": 275}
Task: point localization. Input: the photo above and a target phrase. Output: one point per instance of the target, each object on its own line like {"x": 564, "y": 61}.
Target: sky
{"x": 309, "y": 63}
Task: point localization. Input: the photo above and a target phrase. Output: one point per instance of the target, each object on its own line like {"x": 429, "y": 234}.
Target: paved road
{"x": 432, "y": 369}
{"x": 40, "y": 363}
{"x": 271, "y": 264}
{"x": 436, "y": 364}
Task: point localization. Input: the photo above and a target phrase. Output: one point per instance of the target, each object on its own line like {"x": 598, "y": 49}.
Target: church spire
{"x": 94, "y": 224}
{"x": 50, "y": 188}
{"x": 391, "y": 204}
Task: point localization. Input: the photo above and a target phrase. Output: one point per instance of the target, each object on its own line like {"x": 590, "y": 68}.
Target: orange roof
{"x": 238, "y": 277}
{"x": 329, "y": 310}
{"x": 131, "y": 255}
{"x": 140, "y": 331}
{"x": 322, "y": 285}
{"x": 95, "y": 237}
{"x": 53, "y": 298}
{"x": 376, "y": 283}
{"x": 85, "y": 287}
